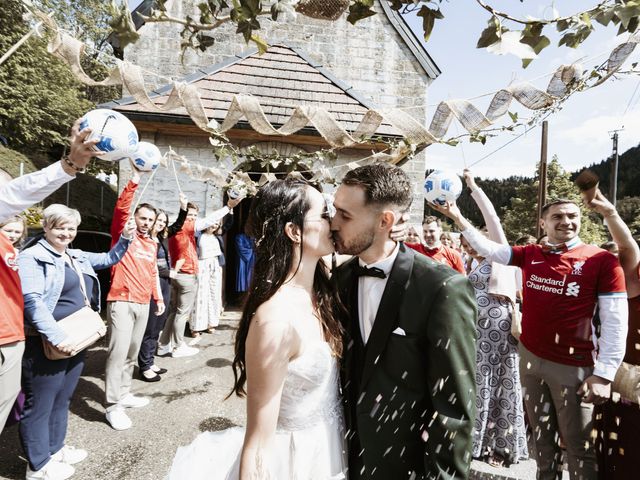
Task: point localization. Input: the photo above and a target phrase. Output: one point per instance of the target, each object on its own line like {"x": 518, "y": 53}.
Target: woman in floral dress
{"x": 499, "y": 434}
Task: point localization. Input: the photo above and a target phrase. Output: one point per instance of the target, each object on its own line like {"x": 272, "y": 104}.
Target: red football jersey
{"x": 560, "y": 297}
{"x": 442, "y": 254}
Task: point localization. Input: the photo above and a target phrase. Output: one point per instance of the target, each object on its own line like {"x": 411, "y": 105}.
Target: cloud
{"x": 593, "y": 131}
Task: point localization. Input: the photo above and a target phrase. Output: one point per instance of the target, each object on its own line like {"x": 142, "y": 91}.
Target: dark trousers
{"x": 48, "y": 386}
{"x": 154, "y": 326}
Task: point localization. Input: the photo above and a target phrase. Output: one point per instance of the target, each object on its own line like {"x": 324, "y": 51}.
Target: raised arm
{"x": 100, "y": 261}
{"x": 122, "y": 210}
{"x": 489, "y": 214}
{"x": 628, "y": 251}
{"x": 451, "y": 379}
{"x": 215, "y": 217}
{"x": 176, "y": 226}
{"x": 495, "y": 252}
{"x": 24, "y": 191}
{"x": 270, "y": 344}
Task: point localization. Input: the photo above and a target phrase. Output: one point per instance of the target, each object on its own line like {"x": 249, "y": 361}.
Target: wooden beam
{"x": 240, "y": 134}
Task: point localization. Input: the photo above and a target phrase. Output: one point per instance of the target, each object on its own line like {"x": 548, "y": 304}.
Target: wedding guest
{"x": 207, "y": 309}
{"x": 413, "y": 236}
{"x": 160, "y": 233}
{"x": 134, "y": 282}
{"x": 57, "y": 281}
{"x": 184, "y": 256}
{"x": 499, "y": 434}
{"x": 15, "y": 229}
{"x": 433, "y": 248}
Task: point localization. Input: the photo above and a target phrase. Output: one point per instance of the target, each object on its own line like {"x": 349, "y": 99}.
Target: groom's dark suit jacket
{"x": 410, "y": 399}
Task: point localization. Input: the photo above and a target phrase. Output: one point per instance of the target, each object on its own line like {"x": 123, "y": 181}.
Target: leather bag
{"x": 82, "y": 328}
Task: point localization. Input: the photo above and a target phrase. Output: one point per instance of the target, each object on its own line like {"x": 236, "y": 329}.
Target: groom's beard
{"x": 356, "y": 246}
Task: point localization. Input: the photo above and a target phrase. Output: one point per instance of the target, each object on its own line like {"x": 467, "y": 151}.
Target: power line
{"x": 502, "y": 146}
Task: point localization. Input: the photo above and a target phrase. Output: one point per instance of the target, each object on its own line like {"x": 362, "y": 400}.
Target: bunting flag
{"x": 564, "y": 81}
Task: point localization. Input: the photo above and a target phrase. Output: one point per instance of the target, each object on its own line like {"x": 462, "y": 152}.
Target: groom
{"x": 409, "y": 356}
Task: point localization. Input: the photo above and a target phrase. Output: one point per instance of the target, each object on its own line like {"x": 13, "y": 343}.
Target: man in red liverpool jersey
{"x": 564, "y": 366}
{"x": 433, "y": 248}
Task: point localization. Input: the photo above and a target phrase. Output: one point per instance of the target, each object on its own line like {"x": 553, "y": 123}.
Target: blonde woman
{"x": 56, "y": 281}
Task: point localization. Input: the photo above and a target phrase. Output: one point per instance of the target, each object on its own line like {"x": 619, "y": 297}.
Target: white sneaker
{"x": 70, "y": 455}
{"x": 131, "y": 401}
{"x": 51, "y": 471}
{"x": 164, "y": 349}
{"x": 118, "y": 419}
{"x": 184, "y": 351}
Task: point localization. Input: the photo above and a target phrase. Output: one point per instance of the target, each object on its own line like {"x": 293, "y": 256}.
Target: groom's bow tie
{"x": 370, "y": 272}
{"x": 560, "y": 248}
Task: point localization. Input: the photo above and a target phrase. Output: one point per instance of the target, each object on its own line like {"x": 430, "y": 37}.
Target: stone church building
{"x": 347, "y": 69}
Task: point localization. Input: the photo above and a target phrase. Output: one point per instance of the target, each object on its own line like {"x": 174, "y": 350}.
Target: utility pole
{"x": 542, "y": 187}
{"x": 613, "y": 181}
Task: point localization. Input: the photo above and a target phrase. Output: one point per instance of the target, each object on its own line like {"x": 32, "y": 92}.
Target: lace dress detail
{"x": 309, "y": 442}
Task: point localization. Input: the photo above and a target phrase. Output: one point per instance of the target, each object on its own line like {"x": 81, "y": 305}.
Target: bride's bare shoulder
{"x": 272, "y": 323}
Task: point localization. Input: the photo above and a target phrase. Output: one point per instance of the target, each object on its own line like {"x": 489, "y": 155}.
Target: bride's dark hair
{"x": 276, "y": 204}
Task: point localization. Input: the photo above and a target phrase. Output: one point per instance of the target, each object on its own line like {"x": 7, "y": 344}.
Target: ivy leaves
{"x": 574, "y": 29}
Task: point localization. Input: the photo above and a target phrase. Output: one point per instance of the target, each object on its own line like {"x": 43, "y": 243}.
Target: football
{"x": 118, "y": 137}
{"x": 147, "y": 157}
{"x": 442, "y": 186}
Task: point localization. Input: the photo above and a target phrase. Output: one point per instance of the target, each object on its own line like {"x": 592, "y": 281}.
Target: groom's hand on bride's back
{"x": 400, "y": 230}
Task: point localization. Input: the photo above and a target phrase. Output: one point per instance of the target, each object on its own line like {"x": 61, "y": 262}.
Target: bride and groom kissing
{"x": 366, "y": 372}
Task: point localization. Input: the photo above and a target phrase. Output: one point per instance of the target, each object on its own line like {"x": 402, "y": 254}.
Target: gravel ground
{"x": 188, "y": 400}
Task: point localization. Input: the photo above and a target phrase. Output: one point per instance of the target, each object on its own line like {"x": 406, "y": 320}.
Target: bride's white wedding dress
{"x": 309, "y": 437}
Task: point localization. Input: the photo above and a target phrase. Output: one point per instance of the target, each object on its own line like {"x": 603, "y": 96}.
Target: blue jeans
{"x": 48, "y": 386}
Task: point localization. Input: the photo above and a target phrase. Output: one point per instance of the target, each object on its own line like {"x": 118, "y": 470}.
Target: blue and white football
{"x": 147, "y": 157}
{"x": 442, "y": 186}
{"x": 118, "y": 137}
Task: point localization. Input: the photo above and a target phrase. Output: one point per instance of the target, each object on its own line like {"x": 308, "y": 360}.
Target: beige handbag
{"x": 82, "y": 328}
{"x": 627, "y": 382}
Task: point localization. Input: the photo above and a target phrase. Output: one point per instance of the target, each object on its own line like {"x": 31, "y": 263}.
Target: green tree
{"x": 520, "y": 218}
{"x": 629, "y": 209}
{"x": 88, "y": 21}
{"x": 39, "y": 97}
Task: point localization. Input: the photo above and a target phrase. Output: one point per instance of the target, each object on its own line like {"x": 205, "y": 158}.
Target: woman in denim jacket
{"x": 53, "y": 290}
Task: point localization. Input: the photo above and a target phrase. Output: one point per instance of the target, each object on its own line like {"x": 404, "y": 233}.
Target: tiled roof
{"x": 280, "y": 79}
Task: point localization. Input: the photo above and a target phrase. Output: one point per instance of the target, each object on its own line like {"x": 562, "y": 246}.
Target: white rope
{"x": 19, "y": 43}
{"x": 133, "y": 210}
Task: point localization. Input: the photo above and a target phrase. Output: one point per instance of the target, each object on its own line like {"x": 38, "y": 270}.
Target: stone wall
{"x": 370, "y": 56}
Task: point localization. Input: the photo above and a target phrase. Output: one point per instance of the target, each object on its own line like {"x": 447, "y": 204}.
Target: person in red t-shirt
{"x": 433, "y": 248}
{"x": 563, "y": 367}
{"x": 16, "y": 196}
{"x": 184, "y": 257}
{"x": 134, "y": 281}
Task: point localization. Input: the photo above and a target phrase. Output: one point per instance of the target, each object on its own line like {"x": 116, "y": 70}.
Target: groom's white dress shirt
{"x": 370, "y": 290}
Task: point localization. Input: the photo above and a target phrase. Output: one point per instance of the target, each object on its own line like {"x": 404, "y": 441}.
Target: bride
{"x": 286, "y": 353}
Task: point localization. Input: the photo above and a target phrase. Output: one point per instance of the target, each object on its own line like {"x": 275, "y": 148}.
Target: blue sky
{"x": 578, "y": 133}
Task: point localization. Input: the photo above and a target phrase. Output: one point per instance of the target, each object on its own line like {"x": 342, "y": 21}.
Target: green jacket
{"x": 410, "y": 398}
